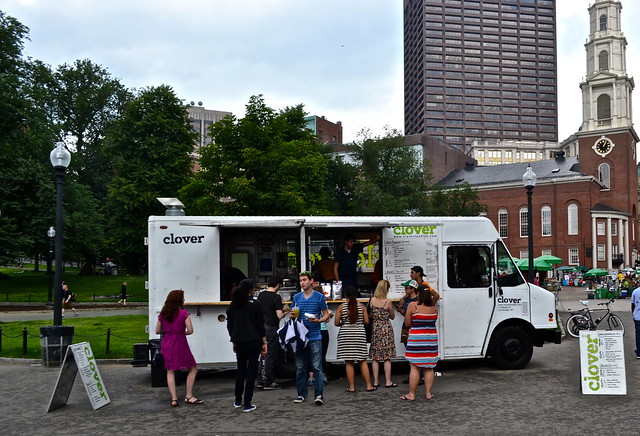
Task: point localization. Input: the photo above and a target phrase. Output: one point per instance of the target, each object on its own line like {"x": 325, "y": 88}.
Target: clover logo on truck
{"x": 172, "y": 239}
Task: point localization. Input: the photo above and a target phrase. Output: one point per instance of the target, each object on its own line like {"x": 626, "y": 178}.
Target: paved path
{"x": 39, "y": 312}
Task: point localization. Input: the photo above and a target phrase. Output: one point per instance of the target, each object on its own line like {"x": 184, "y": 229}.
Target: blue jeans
{"x": 637, "y": 323}
{"x": 312, "y": 354}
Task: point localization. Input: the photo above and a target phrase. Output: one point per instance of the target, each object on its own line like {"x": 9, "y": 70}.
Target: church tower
{"x": 607, "y": 139}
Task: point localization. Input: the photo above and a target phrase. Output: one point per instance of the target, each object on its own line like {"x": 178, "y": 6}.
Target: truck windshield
{"x": 508, "y": 273}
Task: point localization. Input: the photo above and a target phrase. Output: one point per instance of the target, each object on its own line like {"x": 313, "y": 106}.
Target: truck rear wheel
{"x": 511, "y": 348}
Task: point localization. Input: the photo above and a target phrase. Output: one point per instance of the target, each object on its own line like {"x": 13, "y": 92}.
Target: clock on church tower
{"x": 603, "y": 146}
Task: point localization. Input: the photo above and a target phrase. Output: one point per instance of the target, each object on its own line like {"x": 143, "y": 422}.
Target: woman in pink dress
{"x": 174, "y": 323}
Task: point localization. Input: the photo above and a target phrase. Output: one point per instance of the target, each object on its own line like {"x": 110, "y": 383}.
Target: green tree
{"x": 151, "y": 142}
{"x": 392, "y": 178}
{"x": 462, "y": 200}
{"x": 267, "y": 163}
{"x": 26, "y": 186}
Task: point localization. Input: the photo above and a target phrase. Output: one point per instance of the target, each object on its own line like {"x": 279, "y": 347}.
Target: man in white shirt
{"x": 635, "y": 310}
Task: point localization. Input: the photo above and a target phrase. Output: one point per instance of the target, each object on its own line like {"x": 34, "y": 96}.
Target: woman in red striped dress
{"x": 422, "y": 346}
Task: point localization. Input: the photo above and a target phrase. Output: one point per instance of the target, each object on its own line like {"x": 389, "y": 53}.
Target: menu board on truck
{"x": 407, "y": 246}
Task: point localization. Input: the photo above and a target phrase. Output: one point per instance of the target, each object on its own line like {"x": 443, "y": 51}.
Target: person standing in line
{"x": 123, "y": 294}
{"x": 66, "y": 300}
{"x": 273, "y": 310}
{"x": 313, "y": 309}
{"x": 324, "y": 331}
{"x": 417, "y": 274}
{"x": 352, "y": 339}
{"x": 383, "y": 347}
{"x": 411, "y": 295}
{"x": 635, "y": 310}
{"x": 174, "y": 323}
{"x": 422, "y": 346}
{"x": 245, "y": 323}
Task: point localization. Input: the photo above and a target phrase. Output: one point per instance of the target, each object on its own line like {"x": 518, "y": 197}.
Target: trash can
{"x": 54, "y": 341}
{"x": 140, "y": 354}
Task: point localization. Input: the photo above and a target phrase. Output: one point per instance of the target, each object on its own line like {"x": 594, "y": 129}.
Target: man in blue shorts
{"x": 312, "y": 303}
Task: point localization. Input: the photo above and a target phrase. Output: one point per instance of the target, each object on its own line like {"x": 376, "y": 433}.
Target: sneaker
{"x": 319, "y": 400}
{"x": 259, "y": 385}
{"x": 300, "y": 399}
{"x": 250, "y": 408}
{"x": 637, "y": 357}
{"x": 236, "y": 405}
{"x": 272, "y": 386}
{"x": 311, "y": 381}
{"x": 76, "y": 314}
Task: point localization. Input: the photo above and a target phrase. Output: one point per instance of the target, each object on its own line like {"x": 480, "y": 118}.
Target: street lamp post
{"x": 529, "y": 181}
{"x": 60, "y": 159}
{"x": 51, "y": 233}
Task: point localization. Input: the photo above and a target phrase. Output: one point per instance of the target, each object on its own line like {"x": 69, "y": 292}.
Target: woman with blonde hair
{"x": 383, "y": 347}
{"x": 352, "y": 339}
{"x": 174, "y": 323}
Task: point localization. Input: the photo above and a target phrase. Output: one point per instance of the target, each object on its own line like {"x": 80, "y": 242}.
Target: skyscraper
{"x": 481, "y": 69}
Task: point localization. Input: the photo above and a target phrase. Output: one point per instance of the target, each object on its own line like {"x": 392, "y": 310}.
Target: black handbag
{"x": 368, "y": 328}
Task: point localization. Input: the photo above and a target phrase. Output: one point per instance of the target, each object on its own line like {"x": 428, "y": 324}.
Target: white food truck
{"x": 486, "y": 307}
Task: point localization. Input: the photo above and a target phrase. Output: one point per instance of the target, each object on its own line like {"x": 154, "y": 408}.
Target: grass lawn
{"x": 126, "y": 330}
{"x": 29, "y": 286}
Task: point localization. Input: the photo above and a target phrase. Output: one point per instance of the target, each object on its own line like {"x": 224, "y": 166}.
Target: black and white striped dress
{"x": 352, "y": 339}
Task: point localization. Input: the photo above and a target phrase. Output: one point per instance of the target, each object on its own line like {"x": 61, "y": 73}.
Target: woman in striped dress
{"x": 352, "y": 339}
{"x": 422, "y": 346}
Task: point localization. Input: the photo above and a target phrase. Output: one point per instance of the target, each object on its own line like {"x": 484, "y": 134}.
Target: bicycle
{"x": 583, "y": 319}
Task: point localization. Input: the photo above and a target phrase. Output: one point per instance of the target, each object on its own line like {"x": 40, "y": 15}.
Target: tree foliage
{"x": 151, "y": 144}
{"x": 267, "y": 163}
{"x": 462, "y": 200}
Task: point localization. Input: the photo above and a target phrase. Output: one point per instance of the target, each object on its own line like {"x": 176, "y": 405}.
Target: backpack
{"x": 74, "y": 297}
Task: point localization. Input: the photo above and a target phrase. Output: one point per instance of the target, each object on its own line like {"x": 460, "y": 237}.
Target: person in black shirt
{"x": 245, "y": 323}
{"x": 273, "y": 310}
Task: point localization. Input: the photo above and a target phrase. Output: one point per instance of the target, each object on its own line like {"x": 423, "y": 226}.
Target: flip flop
{"x": 431, "y": 397}
{"x": 372, "y": 389}
{"x": 376, "y": 386}
{"x": 405, "y": 398}
{"x": 350, "y": 391}
{"x": 195, "y": 400}
{"x": 392, "y": 385}
{"x": 174, "y": 403}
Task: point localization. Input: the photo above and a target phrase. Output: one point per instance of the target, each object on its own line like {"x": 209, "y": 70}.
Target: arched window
{"x": 603, "y": 22}
{"x": 603, "y": 60}
{"x": 503, "y": 223}
{"x": 524, "y": 222}
{"x": 546, "y": 221}
{"x": 604, "y": 107}
{"x": 572, "y": 215}
{"x": 604, "y": 175}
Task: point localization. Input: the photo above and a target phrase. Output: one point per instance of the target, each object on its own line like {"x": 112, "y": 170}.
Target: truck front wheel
{"x": 511, "y": 348}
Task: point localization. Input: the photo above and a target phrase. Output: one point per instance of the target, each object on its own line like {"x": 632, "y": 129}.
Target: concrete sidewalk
{"x": 38, "y": 311}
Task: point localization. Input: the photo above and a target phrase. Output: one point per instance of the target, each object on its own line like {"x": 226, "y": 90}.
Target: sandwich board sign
{"x": 79, "y": 358}
{"x": 602, "y": 368}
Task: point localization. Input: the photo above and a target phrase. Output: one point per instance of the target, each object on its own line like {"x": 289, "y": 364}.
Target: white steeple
{"x": 606, "y": 91}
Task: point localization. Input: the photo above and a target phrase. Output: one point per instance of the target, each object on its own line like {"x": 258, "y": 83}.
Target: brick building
{"x": 584, "y": 206}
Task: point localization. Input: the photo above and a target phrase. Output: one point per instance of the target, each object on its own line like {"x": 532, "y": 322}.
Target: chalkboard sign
{"x": 80, "y": 358}
{"x": 406, "y": 246}
{"x": 602, "y": 369}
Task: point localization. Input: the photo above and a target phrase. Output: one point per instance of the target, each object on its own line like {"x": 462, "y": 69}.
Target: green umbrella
{"x": 538, "y": 264}
{"x": 596, "y": 272}
{"x": 550, "y": 258}
{"x": 566, "y": 268}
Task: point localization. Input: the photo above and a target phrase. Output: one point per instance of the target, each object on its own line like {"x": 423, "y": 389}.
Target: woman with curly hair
{"x": 174, "y": 323}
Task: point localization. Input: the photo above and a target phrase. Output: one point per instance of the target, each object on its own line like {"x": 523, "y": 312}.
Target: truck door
{"x": 468, "y": 300}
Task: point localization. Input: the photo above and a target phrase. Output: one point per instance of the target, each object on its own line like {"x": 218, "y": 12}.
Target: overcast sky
{"x": 341, "y": 59}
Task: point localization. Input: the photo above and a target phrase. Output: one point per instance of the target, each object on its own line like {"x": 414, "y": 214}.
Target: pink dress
{"x": 174, "y": 346}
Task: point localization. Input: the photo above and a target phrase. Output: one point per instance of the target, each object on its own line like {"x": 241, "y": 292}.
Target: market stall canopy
{"x": 549, "y": 258}
{"x": 581, "y": 268}
{"x": 596, "y": 272}
{"x": 566, "y": 268}
{"x": 538, "y": 264}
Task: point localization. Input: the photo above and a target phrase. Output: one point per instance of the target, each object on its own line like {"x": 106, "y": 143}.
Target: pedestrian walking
{"x": 123, "y": 294}
{"x": 67, "y": 300}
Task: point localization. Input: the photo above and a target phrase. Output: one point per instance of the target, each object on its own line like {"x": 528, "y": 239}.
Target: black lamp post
{"x": 51, "y": 233}
{"x": 529, "y": 181}
{"x": 60, "y": 159}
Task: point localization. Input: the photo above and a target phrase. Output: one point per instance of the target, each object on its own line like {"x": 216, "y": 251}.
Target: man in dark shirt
{"x": 273, "y": 312}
